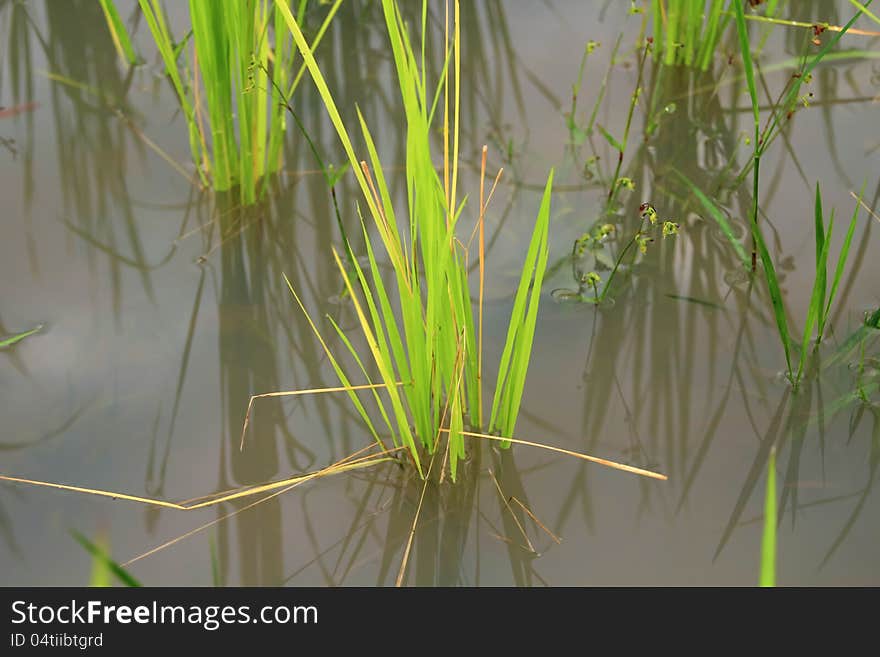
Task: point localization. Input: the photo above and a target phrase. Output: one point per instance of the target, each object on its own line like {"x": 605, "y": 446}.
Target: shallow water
{"x": 165, "y": 308}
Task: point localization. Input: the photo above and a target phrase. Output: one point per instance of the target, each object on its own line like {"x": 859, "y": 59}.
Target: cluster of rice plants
{"x": 686, "y": 32}
{"x": 231, "y": 74}
{"x": 429, "y": 357}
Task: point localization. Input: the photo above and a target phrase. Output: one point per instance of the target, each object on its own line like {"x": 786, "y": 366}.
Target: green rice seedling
{"x": 428, "y": 354}
{"x": 768, "y": 540}
{"x": 228, "y": 84}
{"x": 687, "y": 32}
{"x": 863, "y": 8}
{"x": 820, "y": 299}
{"x": 818, "y": 310}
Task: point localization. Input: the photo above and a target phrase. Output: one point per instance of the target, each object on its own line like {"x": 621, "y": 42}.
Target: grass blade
{"x": 841, "y": 264}
{"x": 18, "y": 337}
{"x": 745, "y": 49}
{"x": 820, "y": 237}
{"x": 815, "y": 310}
{"x": 118, "y": 32}
{"x": 768, "y": 541}
{"x": 102, "y": 561}
{"x": 775, "y": 298}
{"x": 520, "y": 333}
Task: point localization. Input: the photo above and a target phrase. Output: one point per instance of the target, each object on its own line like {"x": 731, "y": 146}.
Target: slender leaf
{"x": 768, "y": 541}
{"x": 103, "y": 560}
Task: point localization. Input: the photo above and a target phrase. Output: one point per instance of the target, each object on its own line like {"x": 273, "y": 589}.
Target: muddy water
{"x": 165, "y": 308}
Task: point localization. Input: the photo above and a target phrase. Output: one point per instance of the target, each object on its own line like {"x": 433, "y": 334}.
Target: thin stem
{"x": 632, "y": 106}
{"x": 632, "y": 241}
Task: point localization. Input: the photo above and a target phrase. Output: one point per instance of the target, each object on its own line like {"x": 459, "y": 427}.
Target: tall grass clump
{"x": 228, "y": 75}
{"x": 428, "y": 352}
{"x": 686, "y": 32}
{"x": 821, "y": 298}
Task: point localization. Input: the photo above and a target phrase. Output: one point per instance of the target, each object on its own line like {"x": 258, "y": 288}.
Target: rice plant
{"x": 686, "y": 32}
{"x": 819, "y": 309}
{"x": 228, "y": 82}
{"x": 821, "y": 298}
{"x": 429, "y": 357}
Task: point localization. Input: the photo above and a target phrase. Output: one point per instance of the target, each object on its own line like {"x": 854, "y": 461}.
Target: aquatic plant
{"x": 430, "y": 357}
{"x": 594, "y": 241}
{"x": 228, "y": 84}
{"x": 817, "y": 313}
{"x": 687, "y": 31}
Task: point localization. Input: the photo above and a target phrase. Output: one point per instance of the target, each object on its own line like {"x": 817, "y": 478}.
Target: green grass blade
{"x": 384, "y": 366}
{"x": 820, "y": 236}
{"x": 610, "y": 138}
{"x": 369, "y": 380}
{"x": 841, "y": 264}
{"x": 775, "y": 298}
{"x": 745, "y": 49}
{"x": 329, "y": 104}
{"x": 815, "y": 310}
{"x": 102, "y": 561}
{"x": 716, "y": 214}
{"x": 118, "y": 32}
{"x": 525, "y": 340}
{"x": 864, "y": 9}
{"x": 768, "y": 540}
{"x": 18, "y": 337}
{"x": 340, "y": 373}
{"x": 517, "y": 346}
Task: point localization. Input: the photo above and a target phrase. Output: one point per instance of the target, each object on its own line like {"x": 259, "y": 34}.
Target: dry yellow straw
{"x": 341, "y": 466}
{"x": 585, "y": 457}
{"x": 293, "y": 393}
